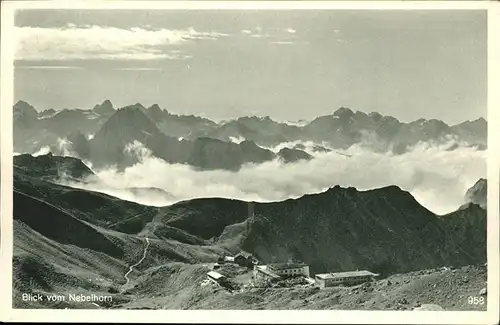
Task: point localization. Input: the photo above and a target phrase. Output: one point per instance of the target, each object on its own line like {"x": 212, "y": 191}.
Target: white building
{"x": 215, "y": 276}
{"x": 289, "y": 269}
{"x": 343, "y": 278}
{"x": 262, "y": 276}
{"x": 229, "y": 259}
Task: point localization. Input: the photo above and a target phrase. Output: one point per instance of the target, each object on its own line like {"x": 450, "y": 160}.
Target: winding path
{"x": 131, "y": 268}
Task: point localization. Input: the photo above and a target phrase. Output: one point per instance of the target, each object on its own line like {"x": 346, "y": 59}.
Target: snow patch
{"x": 42, "y": 151}
{"x": 237, "y": 140}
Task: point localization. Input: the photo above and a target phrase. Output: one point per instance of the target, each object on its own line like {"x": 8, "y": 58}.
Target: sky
{"x": 287, "y": 64}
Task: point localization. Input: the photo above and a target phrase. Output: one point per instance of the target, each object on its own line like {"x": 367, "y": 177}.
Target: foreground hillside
{"x": 184, "y": 286}
{"x": 446, "y": 287}
{"x": 73, "y": 241}
{"x": 385, "y": 230}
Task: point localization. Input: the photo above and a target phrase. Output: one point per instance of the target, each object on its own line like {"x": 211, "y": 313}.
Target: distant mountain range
{"x": 107, "y": 136}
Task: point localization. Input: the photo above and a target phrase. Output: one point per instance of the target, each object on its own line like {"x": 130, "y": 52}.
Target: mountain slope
{"x": 50, "y": 166}
{"x": 60, "y": 226}
{"x": 478, "y": 193}
{"x": 126, "y": 127}
{"x": 467, "y": 228}
{"x": 208, "y": 153}
{"x": 472, "y": 131}
{"x": 123, "y": 137}
{"x": 70, "y": 241}
{"x": 385, "y": 230}
{"x": 75, "y": 241}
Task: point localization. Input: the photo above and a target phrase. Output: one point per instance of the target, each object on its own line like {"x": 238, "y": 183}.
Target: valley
{"x": 73, "y": 241}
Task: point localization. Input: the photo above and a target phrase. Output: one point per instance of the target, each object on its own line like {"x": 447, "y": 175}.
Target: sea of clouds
{"x": 435, "y": 175}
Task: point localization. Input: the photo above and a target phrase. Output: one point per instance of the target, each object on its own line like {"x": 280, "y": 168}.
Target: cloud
{"x": 437, "y": 177}
{"x": 42, "y": 151}
{"x": 296, "y": 123}
{"x": 282, "y": 42}
{"x": 65, "y": 147}
{"x": 137, "y": 150}
{"x": 103, "y": 42}
{"x": 139, "y": 69}
{"x": 260, "y": 35}
{"x": 278, "y": 34}
{"x": 256, "y": 32}
{"x": 307, "y": 146}
{"x": 49, "y": 67}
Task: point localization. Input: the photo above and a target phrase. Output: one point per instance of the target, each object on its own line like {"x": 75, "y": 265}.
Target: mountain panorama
{"x": 106, "y": 136}
{"x": 70, "y": 238}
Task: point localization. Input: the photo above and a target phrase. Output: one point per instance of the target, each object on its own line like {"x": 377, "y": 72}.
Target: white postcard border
{"x": 249, "y": 316}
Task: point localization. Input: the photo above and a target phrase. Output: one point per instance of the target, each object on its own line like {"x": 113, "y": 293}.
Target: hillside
{"x": 341, "y": 229}
{"x": 70, "y": 240}
{"x": 50, "y": 166}
{"x": 477, "y": 194}
{"x": 75, "y": 241}
{"x": 127, "y": 126}
{"x": 445, "y": 287}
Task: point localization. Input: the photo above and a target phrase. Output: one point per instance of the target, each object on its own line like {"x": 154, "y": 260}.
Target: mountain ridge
{"x": 341, "y": 129}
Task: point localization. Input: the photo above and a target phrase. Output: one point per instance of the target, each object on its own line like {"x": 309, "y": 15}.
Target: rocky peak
{"x": 479, "y": 121}
{"x": 292, "y": 155}
{"x": 477, "y": 194}
{"x": 248, "y": 143}
{"x": 136, "y": 106}
{"x": 375, "y": 115}
{"x": 47, "y": 112}
{"x": 106, "y": 108}
{"x": 22, "y": 105}
{"x": 23, "y": 110}
{"x": 127, "y": 121}
{"x": 155, "y": 107}
{"x": 156, "y": 112}
{"x": 344, "y": 112}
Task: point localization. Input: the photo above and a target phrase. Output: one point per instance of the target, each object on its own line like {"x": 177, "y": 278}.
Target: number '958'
{"x": 475, "y": 300}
